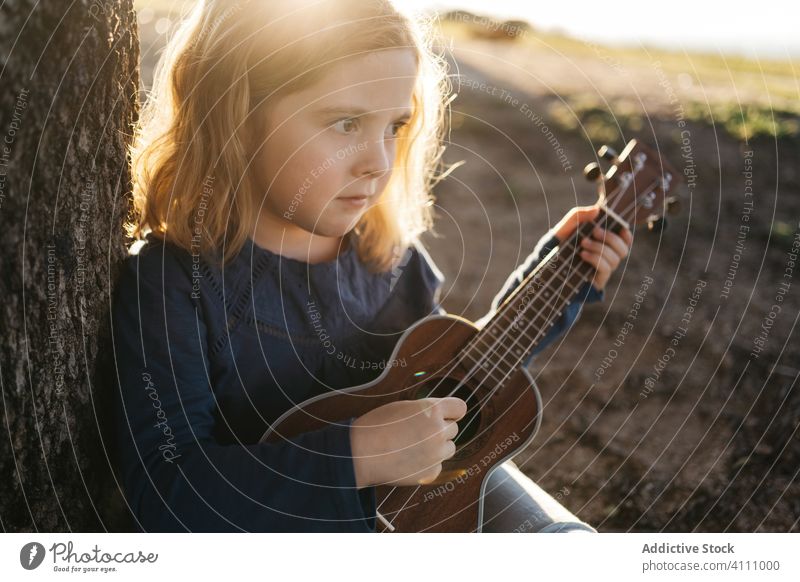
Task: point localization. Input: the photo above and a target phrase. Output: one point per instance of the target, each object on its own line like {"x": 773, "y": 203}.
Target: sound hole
{"x": 442, "y": 387}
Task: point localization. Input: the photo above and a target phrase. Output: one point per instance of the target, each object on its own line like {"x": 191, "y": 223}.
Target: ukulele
{"x": 448, "y": 355}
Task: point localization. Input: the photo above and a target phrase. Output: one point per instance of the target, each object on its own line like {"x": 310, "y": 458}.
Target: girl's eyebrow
{"x": 358, "y": 111}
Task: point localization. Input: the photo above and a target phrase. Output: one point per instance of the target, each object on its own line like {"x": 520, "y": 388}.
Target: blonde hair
{"x": 191, "y": 148}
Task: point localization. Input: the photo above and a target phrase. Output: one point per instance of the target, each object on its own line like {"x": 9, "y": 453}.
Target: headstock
{"x": 637, "y": 185}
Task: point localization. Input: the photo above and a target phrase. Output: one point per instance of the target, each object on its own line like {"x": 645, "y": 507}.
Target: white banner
{"x": 352, "y": 557}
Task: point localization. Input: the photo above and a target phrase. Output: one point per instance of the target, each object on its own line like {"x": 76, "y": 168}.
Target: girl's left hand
{"x": 604, "y": 250}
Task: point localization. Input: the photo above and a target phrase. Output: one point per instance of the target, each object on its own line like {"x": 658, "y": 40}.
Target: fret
{"x": 496, "y": 334}
{"x": 485, "y": 354}
{"x": 621, "y": 222}
{"x": 485, "y": 369}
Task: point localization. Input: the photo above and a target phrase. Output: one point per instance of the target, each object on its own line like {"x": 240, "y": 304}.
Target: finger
{"x": 615, "y": 251}
{"x": 627, "y": 236}
{"x": 450, "y": 431}
{"x": 592, "y": 258}
{"x": 603, "y": 266}
{"x": 429, "y": 407}
{"x": 431, "y": 474}
{"x": 583, "y": 214}
{"x": 578, "y": 215}
{"x": 452, "y": 408}
{"x": 603, "y": 250}
{"x": 608, "y": 254}
{"x": 448, "y": 450}
{"x": 603, "y": 271}
{"x": 612, "y": 239}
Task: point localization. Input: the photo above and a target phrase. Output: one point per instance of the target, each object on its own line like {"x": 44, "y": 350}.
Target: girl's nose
{"x": 376, "y": 159}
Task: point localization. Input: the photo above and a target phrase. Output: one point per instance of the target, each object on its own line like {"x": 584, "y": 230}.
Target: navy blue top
{"x": 207, "y": 358}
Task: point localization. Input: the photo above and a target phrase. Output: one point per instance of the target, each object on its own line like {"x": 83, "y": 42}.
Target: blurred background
{"x": 632, "y": 440}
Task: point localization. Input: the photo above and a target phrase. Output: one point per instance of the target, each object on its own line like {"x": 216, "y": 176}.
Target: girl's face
{"x": 333, "y": 141}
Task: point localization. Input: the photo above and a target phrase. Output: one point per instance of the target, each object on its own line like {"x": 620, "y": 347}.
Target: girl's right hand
{"x": 405, "y": 442}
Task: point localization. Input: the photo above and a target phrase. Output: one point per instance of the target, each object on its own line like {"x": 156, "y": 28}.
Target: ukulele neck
{"x": 524, "y": 318}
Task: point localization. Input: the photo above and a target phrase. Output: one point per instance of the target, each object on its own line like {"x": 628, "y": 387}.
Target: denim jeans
{"x": 513, "y": 503}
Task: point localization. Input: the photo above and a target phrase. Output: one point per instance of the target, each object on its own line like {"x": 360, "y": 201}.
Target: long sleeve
{"x": 176, "y": 476}
{"x": 586, "y": 294}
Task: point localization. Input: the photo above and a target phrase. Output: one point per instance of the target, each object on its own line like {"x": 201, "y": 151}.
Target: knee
{"x": 567, "y": 527}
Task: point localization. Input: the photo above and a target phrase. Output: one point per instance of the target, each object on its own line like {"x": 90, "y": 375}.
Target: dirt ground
{"x": 712, "y": 444}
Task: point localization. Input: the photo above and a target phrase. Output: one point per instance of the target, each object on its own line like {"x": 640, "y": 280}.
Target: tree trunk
{"x": 70, "y": 95}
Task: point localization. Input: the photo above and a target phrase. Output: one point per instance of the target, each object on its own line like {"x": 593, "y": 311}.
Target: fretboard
{"x": 525, "y": 317}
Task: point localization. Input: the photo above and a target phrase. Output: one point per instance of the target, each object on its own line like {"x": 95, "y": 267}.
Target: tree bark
{"x": 70, "y": 96}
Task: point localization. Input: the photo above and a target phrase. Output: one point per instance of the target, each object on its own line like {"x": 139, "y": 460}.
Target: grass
{"x": 750, "y": 120}
{"x": 742, "y": 123}
{"x": 775, "y": 112}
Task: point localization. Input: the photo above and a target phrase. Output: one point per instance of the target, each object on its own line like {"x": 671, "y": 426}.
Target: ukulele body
{"x": 500, "y": 420}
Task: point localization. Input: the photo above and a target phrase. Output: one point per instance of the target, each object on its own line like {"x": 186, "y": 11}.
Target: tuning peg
{"x": 657, "y": 224}
{"x": 607, "y": 153}
{"x": 673, "y": 205}
{"x": 592, "y": 172}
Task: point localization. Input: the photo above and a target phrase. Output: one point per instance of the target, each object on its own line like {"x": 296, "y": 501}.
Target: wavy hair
{"x": 192, "y": 149}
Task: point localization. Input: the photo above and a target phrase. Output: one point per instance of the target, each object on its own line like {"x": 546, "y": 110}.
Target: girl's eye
{"x": 346, "y": 123}
{"x": 397, "y": 127}
{"x": 350, "y": 124}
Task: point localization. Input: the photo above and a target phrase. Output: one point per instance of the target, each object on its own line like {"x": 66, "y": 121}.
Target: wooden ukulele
{"x": 448, "y": 355}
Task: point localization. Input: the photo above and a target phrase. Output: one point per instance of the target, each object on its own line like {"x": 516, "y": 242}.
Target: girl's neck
{"x": 295, "y": 243}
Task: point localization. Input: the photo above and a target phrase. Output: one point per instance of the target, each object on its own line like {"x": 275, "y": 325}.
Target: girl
{"x": 283, "y": 172}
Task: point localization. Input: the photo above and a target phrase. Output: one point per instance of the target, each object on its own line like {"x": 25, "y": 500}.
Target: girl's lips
{"x": 357, "y": 201}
